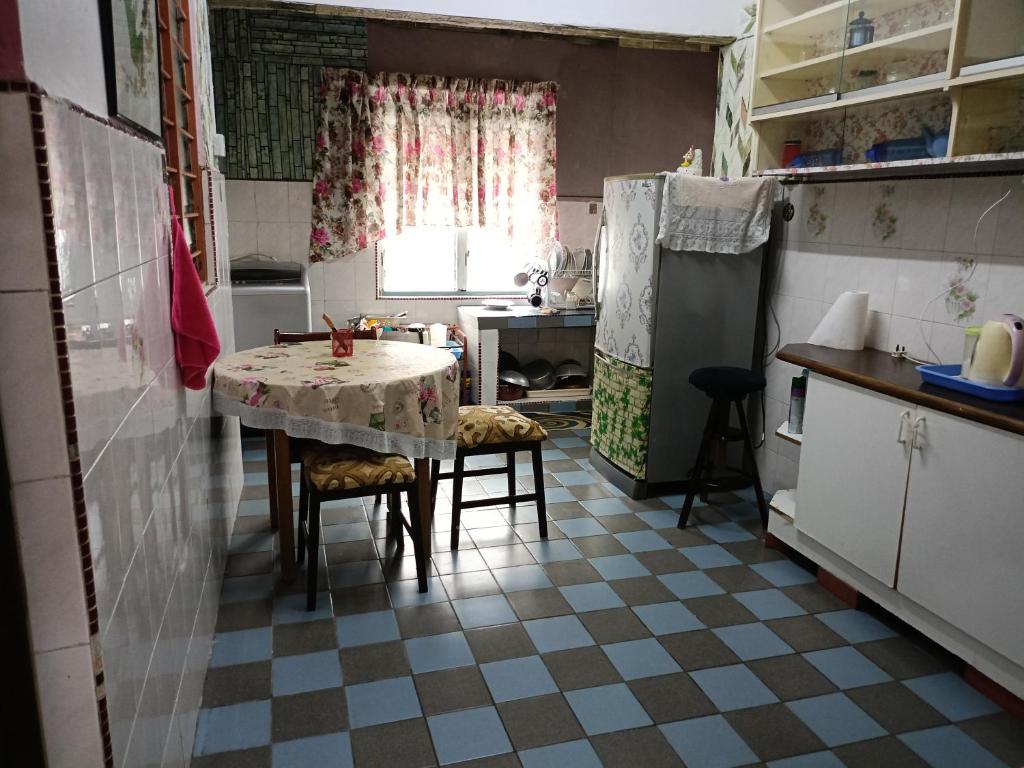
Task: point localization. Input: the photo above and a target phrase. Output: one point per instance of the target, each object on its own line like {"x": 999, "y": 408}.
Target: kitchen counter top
{"x": 881, "y": 372}
{"x": 525, "y": 316}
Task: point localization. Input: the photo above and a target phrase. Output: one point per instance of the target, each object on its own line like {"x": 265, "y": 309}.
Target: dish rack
{"x": 570, "y": 278}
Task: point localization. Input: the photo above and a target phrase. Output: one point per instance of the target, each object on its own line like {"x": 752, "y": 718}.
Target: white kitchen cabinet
{"x": 963, "y": 538}
{"x": 853, "y": 473}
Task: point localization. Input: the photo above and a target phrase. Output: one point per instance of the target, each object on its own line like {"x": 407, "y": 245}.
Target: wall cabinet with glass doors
{"x": 842, "y": 83}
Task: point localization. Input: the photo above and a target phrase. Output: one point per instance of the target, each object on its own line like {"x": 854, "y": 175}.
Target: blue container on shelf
{"x": 948, "y": 376}
{"x": 817, "y": 158}
{"x": 928, "y": 144}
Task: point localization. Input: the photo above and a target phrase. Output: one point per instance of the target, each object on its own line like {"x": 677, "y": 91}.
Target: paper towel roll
{"x": 845, "y": 325}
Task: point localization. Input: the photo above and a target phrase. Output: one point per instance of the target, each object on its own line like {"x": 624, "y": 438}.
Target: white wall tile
{"x": 300, "y": 202}
{"x": 241, "y": 238}
{"x": 969, "y": 199}
{"x": 918, "y": 276}
{"x": 241, "y": 198}
{"x": 842, "y": 272}
{"x": 67, "y": 708}
{"x": 21, "y": 213}
{"x": 1005, "y": 291}
{"x": 272, "y": 239}
{"x": 878, "y": 270}
{"x": 927, "y": 209}
{"x": 847, "y": 226}
{"x": 271, "y": 201}
{"x": 298, "y": 242}
{"x": 1010, "y": 226}
{"x": 884, "y": 216}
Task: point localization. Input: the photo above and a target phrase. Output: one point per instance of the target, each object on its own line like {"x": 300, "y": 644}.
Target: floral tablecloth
{"x": 390, "y": 396}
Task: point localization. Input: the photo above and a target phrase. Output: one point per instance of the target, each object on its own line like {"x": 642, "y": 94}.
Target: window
{"x": 179, "y": 118}
{"x": 448, "y": 261}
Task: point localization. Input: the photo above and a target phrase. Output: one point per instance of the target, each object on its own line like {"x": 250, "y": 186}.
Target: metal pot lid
{"x": 541, "y": 374}
{"x": 569, "y": 369}
{"x": 515, "y": 378}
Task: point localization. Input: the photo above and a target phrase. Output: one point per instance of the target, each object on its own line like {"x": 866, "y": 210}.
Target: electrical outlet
{"x": 592, "y": 209}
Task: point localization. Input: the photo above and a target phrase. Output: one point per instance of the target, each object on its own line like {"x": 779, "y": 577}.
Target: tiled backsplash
{"x": 161, "y": 473}
{"x": 903, "y": 242}
{"x": 273, "y": 218}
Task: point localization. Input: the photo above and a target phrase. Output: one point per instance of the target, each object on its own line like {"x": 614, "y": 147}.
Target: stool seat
{"x": 723, "y": 382}
{"x": 348, "y": 468}
{"x": 494, "y": 425}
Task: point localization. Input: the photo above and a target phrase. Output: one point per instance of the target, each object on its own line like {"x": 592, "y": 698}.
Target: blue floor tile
{"x": 467, "y": 735}
{"x": 811, "y": 760}
{"x": 741, "y": 512}
{"x": 676, "y": 501}
{"x": 710, "y": 556}
{"x": 241, "y": 647}
{"x": 558, "y": 634}
{"x": 239, "y": 726}
{"x": 606, "y": 709}
{"x": 568, "y": 754}
{"x": 690, "y": 584}
{"x": 591, "y": 597}
{"x": 483, "y": 611}
{"x": 406, "y": 593}
{"x": 367, "y": 628}
{"x": 553, "y": 454}
{"x": 459, "y": 561}
{"x": 291, "y": 609}
{"x": 725, "y": 533}
{"x": 619, "y": 567}
{"x": 570, "y": 442}
{"x": 642, "y": 541}
{"x": 635, "y": 659}
{"x": 769, "y": 604}
{"x": 949, "y": 747}
{"x": 856, "y": 626}
{"x": 847, "y": 667}
{"x": 616, "y": 492}
{"x": 660, "y": 518}
{"x": 306, "y": 672}
{"x": 733, "y": 687}
{"x": 487, "y": 461}
{"x": 427, "y": 654}
{"x": 518, "y": 678}
{"x": 952, "y": 696}
{"x": 332, "y": 750}
{"x": 752, "y": 641}
{"x": 558, "y": 495}
{"x": 521, "y": 577}
{"x": 553, "y": 551}
{"x": 578, "y": 527}
{"x": 835, "y": 719}
{"x": 385, "y": 701}
{"x": 667, "y": 618}
{"x": 783, "y": 573}
{"x": 708, "y": 742}
{"x": 605, "y": 507}
{"x": 574, "y": 478}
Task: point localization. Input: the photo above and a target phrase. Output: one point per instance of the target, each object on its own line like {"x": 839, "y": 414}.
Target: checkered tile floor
{"x": 619, "y": 641}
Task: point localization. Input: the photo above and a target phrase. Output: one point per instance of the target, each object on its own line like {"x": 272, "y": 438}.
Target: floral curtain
{"x": 397, "y": 150}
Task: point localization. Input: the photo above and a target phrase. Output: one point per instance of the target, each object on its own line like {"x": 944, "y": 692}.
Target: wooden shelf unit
{"x": 971, "y": 54}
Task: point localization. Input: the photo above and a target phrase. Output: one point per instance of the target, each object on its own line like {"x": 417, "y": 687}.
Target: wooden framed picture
{"x": 132, "y": 60}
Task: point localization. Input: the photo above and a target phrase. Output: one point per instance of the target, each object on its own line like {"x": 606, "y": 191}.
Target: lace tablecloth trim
{"x": 341, "y": 434}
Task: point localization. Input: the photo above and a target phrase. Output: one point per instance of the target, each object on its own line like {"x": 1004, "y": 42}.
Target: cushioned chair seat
{"x": 349, "y": 468}
{"x": 494, "y": 425}
{"x": 727, "y": 383}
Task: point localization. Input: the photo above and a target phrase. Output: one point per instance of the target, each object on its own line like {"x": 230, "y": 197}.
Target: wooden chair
{"x": 346, "y": 472}
{"x": 486, "y": 430}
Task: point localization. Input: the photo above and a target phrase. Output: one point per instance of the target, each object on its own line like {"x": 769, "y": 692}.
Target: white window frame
{"x": 461, "y": 242}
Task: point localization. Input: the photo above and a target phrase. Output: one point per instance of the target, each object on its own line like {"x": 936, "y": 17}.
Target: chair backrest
{"x": 285, "y": 337}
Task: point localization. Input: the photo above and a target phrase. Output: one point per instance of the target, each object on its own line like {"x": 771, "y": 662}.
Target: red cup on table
{"x": 342, "y": 342}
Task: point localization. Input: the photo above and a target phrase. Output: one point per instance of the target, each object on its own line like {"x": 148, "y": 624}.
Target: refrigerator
{"x": 660, "y": 315}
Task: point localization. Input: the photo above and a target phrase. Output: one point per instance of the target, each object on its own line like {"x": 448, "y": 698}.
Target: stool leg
{"x": 417, "y": 539}
{"x": 313, "y": 551}
{"x": 538, "y": 488}
{"x": 303, "y": 515}
{"x": 376, "y": 500}
{"x": 720, "y": 426}
{"x": 460, "y": 462}
{"x": 435, "y": 471}
{"x": 510, "y": 463}
{"x": 272, "y": 478}
{"x": 697, "y": 473}
{"x": 762, "y": 505}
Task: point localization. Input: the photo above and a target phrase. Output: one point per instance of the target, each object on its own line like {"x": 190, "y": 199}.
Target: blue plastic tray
{"x": 948, "y": 376}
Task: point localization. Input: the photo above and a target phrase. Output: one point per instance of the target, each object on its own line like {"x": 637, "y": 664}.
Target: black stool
{"x": 724, "y": 385}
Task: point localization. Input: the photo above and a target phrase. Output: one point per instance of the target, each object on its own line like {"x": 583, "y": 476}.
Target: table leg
{"x": 285, "y": 518}
{"x": 271, "y": 479}
{"x": 426, "y": 511}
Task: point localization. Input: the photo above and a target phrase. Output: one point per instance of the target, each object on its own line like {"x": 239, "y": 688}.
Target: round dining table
{"x": 388, "y": 396}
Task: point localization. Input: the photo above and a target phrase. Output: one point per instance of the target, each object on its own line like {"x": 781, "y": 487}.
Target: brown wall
{"x": 620, "y": 110}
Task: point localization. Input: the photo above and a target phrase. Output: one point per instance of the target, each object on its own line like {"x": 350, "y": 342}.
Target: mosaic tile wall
{"x": 272, "y": 57}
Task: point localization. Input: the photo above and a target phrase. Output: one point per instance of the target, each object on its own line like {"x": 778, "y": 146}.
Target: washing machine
{"x": 268, "y": 294}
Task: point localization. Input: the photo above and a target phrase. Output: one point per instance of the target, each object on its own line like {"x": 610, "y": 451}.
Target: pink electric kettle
{"x": 999, "y": 356}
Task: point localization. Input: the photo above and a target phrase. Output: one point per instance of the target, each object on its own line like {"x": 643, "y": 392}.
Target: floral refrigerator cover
{"x": 390, "y": 396}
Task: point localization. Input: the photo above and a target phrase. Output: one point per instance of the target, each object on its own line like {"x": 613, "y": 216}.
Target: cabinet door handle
{"x": 918, "y": 439}
{"x": 901, "y": 436}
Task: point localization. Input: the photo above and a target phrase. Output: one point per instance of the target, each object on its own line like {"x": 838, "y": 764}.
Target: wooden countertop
{"x": 881, "y": 372}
